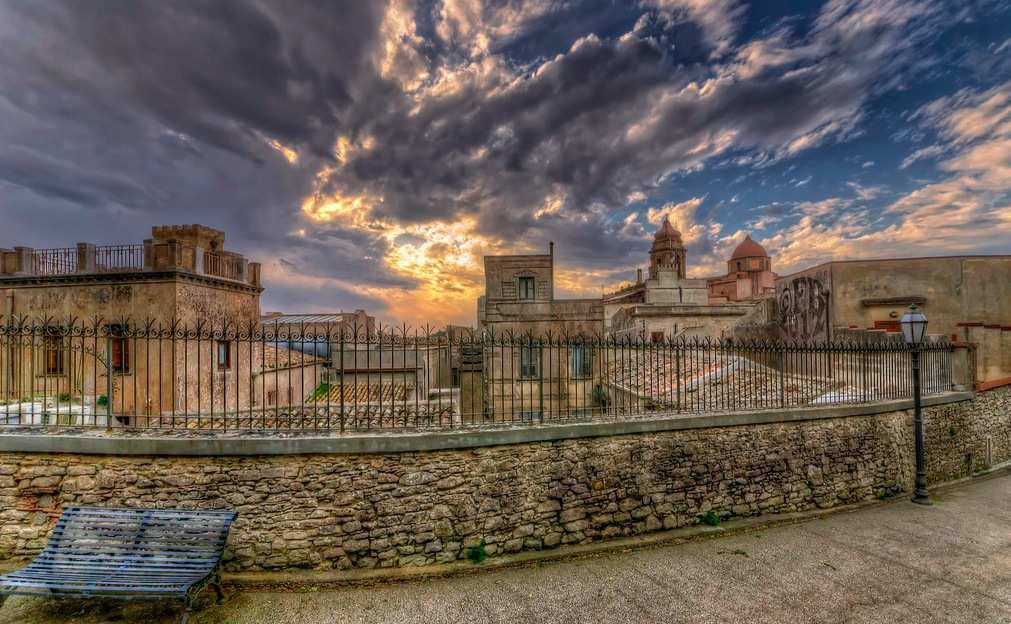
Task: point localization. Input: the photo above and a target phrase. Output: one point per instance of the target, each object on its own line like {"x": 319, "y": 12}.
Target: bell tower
{"x": 667, "y": 252}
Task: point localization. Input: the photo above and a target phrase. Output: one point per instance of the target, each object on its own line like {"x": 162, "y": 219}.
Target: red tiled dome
{"x": 749, "y": 249}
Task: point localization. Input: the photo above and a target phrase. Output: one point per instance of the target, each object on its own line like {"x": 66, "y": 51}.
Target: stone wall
{"x": 420, "y": 508}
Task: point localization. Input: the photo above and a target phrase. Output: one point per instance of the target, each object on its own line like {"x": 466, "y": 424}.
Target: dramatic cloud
{"x": 369, "y": 153}
{"x": 968, "y": 210}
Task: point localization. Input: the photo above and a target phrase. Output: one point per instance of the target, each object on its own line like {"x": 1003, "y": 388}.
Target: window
{"x": 120, "y": 348}
{"x": 656, "y": 337}
{"x": 271, "y": 397}
{"x": 579, "y": 363}
{"x": 738, "y": 265}
{"x": 526, "y": 290}
{"x": 54, "y": 352}
{"x": 224, "y": 355}
{"x": 530, "y": 359}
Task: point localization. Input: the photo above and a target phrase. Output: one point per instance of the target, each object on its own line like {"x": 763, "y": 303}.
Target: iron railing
{"x": 336, "y": 377}
{"x": 117, "y": 258}
{"x": 228, "y": 267}
{"x": 61, "y": 261}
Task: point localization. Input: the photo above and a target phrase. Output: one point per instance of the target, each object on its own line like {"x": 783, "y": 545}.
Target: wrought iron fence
{"x": 336, "y": 377}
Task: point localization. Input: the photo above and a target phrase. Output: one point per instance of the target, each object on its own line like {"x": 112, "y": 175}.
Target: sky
{"x": 370, "y": 153}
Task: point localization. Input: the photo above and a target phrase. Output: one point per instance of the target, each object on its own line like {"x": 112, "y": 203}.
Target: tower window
{"x": 526, "y": 288}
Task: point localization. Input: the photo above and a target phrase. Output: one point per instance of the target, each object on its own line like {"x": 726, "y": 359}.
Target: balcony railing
{"x": 61, "y": 261}
{"x": 160, "y": 256}
{"x": 228, "y": 267}
{"x": 118, "y": 258}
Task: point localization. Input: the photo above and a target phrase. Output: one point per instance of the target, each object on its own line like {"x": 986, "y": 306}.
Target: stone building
{"x": 749, "y": 275}
{"x": 135, "y": 300}
{"x": 536, "y": 378}
{"x": 565, "y": 377}
{"x": 668, "y": 304}
{"x": 873, "y": 294}
{"x": 320, "y": 333}
{"x": 966, "y": 298}
{"x": 520, "y": 298}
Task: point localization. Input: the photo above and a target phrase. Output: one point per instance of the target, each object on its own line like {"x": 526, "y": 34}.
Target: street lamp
{"x": 914, "y": 329}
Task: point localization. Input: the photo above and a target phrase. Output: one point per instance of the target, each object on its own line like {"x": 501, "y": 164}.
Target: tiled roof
{"x": 716, "y": 382}
{"x": 362, "y": 393}
{"x": 275, "y": 357}
{"x": 285, "y": 319}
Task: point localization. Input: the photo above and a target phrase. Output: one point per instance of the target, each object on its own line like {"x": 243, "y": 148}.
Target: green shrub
{"x": 102, "y": 401}
{"x": 477, "y": 554}
{"x": 711, "y": 518}
{"x": 320, "y": 392}
{"x": 64, "y": 397}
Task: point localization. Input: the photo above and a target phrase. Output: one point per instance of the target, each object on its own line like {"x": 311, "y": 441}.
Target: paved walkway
{"x": 896, "y": 563}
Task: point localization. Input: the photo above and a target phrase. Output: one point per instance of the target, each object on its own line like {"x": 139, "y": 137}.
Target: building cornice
{"x": 112, "y": 279}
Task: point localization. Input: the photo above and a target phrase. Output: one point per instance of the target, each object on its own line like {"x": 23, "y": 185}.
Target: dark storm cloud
{"x": 612, "y": 117}
{"x": 215, "y": 71}
{"x": 67, "y": 181}
{"x": 165, "y": 110}
{"x": 148, "y": 112}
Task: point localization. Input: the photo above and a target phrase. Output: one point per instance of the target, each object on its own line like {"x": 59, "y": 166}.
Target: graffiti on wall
{"x": 804, "y": 307}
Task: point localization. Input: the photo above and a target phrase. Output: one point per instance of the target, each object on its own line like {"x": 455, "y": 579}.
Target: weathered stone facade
{"x": 420, "y": 508}
{"x": 874, "y": 294}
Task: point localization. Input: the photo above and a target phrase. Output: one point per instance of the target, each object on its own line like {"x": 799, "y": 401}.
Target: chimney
{"x": 551, "y": 248}
{"x": 638, "y": 275}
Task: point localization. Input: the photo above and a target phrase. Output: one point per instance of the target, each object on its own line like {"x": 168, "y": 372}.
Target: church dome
{"x": 749, "y": 249}
{"x": 668, "y": 232}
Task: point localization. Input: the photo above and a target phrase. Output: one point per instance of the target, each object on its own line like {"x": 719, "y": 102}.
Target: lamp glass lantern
{"x": 914, "y": 325}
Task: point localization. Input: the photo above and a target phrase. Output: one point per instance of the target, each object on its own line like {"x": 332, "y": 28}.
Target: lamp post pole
{"x": 920, "y": 494}
{"x": 914, "y": 329}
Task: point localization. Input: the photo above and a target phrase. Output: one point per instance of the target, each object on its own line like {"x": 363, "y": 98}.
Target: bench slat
{"x": 126, "y": 553}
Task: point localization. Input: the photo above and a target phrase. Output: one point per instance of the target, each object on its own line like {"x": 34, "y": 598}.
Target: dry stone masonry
{"x": 422, "y": 508}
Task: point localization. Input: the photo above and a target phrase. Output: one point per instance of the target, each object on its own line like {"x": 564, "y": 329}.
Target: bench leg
{"x": 187, "y": 609}
{"x": 216, "y": 584}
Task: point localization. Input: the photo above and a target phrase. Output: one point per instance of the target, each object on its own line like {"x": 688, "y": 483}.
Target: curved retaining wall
{"x": 327, "y": 505}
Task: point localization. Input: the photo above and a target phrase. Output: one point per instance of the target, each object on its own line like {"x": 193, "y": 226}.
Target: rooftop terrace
{"x": 188, "y": 248}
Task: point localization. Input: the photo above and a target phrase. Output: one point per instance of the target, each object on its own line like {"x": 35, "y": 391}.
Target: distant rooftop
{"x": 331, "y": 317}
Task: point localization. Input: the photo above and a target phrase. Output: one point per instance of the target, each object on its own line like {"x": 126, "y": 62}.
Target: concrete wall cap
{"x": 246, "y": 445}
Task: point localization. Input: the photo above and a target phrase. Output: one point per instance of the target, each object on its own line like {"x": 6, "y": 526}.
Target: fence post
{"x": 108, "y": 381}
{"x": 24, "y": 263}
{"x": 864, "y": 381}
{"x": 86, "y": 258}
{"x": 782, "y": 382}
{"x": 540, "y": 382}
{"x": 471, "y": 381}
{"x": 677, "y": 375}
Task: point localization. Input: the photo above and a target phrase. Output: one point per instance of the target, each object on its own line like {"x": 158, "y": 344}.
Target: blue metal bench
{"x": 127, "y": 554}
